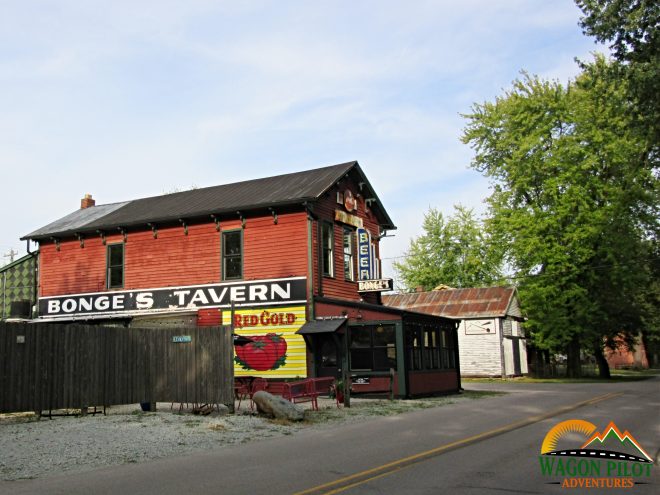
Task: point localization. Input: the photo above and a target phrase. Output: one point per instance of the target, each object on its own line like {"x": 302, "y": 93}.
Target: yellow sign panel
{"x": 354, "y": 220}
{"x": 275, "y": 351}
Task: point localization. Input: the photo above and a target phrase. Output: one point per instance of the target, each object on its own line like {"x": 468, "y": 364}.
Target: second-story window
{"x": 348, "y": 255}
{"x": 115, "y": 266}
{"x": 232, "y": 255}
{"x": 327, "y": 256}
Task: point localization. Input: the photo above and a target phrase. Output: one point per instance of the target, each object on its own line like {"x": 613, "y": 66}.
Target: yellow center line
{"x": 343, "y": 484}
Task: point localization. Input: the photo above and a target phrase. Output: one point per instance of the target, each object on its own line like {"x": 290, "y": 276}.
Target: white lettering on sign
{"x": 85, "y": 304}
{"x": 198, "y": 297}
{"x": 118, "y": 301}
{"x": 289, "y": 290}
{"x": 69, "y": 306}
{"x": 237, "y": 293}
{"x": 214, "y": 295}
{"x": 53, "y": 306}
{"x": 144, "y": 300}
{"x": 365, "y": 261}
{"x": 375, "y": 285}
{"x": 102, "y": 303}
{"x": 277, "y": 290}
{"x": 181, "y": 294}
{"x": 258, "y": 292}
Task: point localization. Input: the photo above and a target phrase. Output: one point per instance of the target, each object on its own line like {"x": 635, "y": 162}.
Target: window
{"x": 448, "y": 348}
{"x": 348, "y": 255}
{"x": 373, "y": 347}
{"x": 327, "y": 241}
{"x": 115, "y": 266}
{"x": 232, "y": 255}
{"x": 430, "y": 348}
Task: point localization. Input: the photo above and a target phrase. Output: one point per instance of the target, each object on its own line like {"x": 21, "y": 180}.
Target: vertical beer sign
{"x": 368, "y": 266}
{"x": 365, "y": 255}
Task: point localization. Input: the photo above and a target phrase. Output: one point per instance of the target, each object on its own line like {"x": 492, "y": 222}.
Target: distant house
{"x": 491, "y": 340}
{"x": 625, "y": 358}
{"x": 18, "y": 287}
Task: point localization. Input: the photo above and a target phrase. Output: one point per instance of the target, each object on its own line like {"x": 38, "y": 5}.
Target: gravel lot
{"x": 31, "y": 448}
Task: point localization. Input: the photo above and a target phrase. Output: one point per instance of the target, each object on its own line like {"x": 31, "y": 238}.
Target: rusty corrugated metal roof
{"x": 456, "y": 303}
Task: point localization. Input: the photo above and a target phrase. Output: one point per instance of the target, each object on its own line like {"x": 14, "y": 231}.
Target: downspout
{"x": 4, "y": 290}
{"x": 310, "y": 264}
{"x": 35, "y": 283}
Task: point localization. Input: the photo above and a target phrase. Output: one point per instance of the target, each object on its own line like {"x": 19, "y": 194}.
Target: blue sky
{"x": 128, "y": 99}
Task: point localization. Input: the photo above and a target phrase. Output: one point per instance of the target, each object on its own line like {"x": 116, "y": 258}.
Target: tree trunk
{"x": 650, "y": 350}
{"x": 573, "y": 364}
{"x": 603, "y": 366}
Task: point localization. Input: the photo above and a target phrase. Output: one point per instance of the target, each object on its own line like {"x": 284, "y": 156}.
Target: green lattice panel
{"x": 16, "y": 284}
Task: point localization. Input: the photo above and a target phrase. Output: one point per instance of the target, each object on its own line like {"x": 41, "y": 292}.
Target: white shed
{"x": 491, "y": 340}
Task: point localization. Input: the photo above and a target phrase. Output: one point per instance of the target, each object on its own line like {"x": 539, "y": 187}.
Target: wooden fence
{"x": 50, "y": 366}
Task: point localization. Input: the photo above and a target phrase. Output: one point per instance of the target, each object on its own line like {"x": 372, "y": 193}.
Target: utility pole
{"x": 10, "y": 255}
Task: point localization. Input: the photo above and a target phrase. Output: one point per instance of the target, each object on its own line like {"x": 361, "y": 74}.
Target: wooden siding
{"x": 432, "y": 382}
{"x": 514, "y": 307}
{"x": 270, "y": 250}
{"x": 480, "y": 355}
{"x": 175, "y": 259}
{"x": 45, "y": 367}
{"x": 72, "y": 269}
{"x": 337, "y": 286}
{"x": 377, "y": 384}
{"x": 275, "y": 250}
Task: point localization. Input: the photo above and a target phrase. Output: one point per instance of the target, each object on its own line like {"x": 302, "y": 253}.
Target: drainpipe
{"x": 310, "y": 264}
{"x": 35, "y": 279}
{"x": 4, "y": 287}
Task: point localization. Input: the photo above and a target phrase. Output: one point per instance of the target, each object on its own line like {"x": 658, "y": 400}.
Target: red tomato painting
{"x": 264, "y": 353}
{"x": 280, "y": 344}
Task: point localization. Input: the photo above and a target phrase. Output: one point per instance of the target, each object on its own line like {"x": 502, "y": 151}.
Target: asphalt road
{"x": 483, "y": 446}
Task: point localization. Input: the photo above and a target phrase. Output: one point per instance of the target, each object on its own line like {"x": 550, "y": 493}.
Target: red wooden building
{"x": 296, "y": 256}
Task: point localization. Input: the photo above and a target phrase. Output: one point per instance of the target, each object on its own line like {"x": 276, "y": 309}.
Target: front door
{"x": 326, "y": 355}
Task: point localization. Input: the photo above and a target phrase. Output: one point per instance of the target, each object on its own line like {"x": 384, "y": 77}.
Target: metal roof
{"x": 459, "y": 303}
{"x": 281, "y": 190}
{"x": 321, "y": 326}
{"x": 76, "y": 221}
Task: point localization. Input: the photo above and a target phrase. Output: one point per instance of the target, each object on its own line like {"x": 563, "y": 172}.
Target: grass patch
{"x": 636, "y": 373}
{"x": 617, "y": 376}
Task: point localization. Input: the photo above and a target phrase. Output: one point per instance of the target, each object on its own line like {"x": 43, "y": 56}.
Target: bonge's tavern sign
{"x": 257, "y": 292}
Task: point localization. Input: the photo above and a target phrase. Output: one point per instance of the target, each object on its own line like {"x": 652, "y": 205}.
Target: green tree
{"x": 453, "y": 251}
{"x": 631, "y": 28}
{"x": 574, "y": 201}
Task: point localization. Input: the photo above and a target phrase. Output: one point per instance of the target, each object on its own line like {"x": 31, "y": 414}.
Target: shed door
{"x": 516, "y": 356}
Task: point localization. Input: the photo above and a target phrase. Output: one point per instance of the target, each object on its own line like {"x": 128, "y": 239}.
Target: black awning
{"x": 321, "y": 326}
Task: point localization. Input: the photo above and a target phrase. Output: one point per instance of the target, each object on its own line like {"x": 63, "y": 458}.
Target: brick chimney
{"x": 87, "y": 201}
